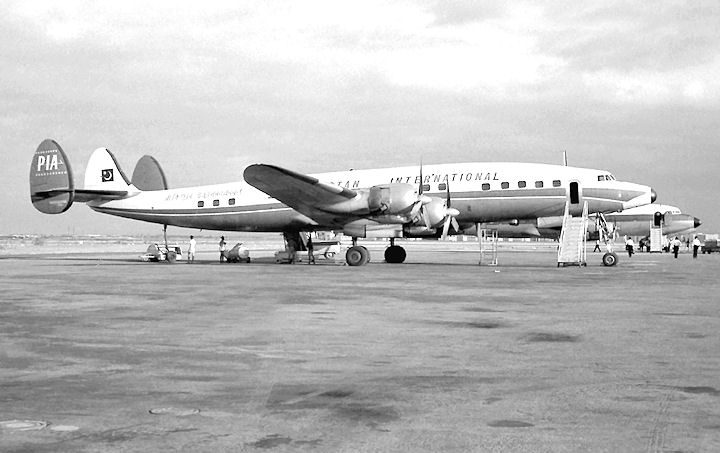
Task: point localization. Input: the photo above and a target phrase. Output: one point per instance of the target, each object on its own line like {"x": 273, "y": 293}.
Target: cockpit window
{"x": 601, "y": 177}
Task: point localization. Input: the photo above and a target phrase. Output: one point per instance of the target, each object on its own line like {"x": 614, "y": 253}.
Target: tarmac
{"x": 102, "y": 352}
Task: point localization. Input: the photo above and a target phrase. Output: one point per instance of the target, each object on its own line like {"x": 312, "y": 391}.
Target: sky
{"x": 210, "y": 87}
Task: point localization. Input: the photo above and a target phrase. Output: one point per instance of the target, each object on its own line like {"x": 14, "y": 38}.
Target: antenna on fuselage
{"x": 565, "y": 158}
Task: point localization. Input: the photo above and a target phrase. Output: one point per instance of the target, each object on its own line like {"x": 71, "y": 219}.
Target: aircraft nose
{"x": 697, "y": 222}
{"x": 653, "y": 195}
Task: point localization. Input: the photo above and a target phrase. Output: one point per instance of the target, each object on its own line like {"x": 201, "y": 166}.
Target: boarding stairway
{"x": 572, "y": 249}
{"x": 488, "y": 240}
{"x": 656, "y": 235}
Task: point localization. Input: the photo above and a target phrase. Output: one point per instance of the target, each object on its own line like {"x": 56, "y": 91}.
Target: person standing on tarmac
{"x": 630, "y": 246}
{"x": 222, "y": 246}
{"x": 675, "y": 243}
{"x": 696, "y": 246}
{"x": 191, "y": 249}
{"x": 309, "y": 245}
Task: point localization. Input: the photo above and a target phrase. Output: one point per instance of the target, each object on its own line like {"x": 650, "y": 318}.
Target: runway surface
{"x": 101, "y": 352}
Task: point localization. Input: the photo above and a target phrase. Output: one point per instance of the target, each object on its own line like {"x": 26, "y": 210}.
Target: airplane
{"x": 630, "y": 222}
{"x": 375, "y": 203}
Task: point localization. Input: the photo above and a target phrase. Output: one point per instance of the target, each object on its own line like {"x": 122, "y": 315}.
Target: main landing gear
{"x": 394, "y": 253}
{"x": 357, "y": 255}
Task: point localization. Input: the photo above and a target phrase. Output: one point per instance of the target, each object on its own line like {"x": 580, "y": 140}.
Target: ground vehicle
{"x": 321, "y": 249}
{"x": 710, "y": 246}
{"x": 237, "y": 254}
{"x": 162, "y": 252}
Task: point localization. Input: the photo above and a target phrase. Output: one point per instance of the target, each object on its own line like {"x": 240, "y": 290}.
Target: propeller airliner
{"x": 430, "y": 201}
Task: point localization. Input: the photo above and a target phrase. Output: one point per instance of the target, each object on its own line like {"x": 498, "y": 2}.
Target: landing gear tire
{"x": 395, "y": 254}
{"x": 171, "y": 257}
{"x": 610, "y": 259}
{"x": 357, "y": 256}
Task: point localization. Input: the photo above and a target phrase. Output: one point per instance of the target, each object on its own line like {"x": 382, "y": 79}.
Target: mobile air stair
{"x": 488, "y": 240}
{"x": 656, "y": 235}
{"x": 572, "y": 249}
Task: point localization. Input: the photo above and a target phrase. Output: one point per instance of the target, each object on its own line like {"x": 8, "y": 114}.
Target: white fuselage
{"x": 481, "y": 192}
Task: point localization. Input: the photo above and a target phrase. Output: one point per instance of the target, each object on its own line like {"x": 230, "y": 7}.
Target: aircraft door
{"x": 575, "y": 198}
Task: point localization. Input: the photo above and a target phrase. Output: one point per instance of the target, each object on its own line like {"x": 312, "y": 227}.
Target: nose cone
{"x": 697, "y": 222}
{"x": 653, "y": 195}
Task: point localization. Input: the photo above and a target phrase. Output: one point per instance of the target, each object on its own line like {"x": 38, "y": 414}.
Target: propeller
{"x": 450, "y": 214}
{"x": 422, "y": 200}
{"x": 435, "y": 210}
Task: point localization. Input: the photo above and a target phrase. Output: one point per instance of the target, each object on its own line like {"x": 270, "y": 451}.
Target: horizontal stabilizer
{"x": 52, "y": 189}
{"x": 84, "y": 195}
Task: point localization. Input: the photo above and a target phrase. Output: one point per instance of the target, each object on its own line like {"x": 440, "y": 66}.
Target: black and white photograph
{"x": 342, "y": 226}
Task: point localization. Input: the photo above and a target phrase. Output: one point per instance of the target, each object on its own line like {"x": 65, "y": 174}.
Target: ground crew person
{"x": 222, "y": 247}
{"x": 676, "y": 246}
{"x": 191, "y": 249}
{"x": 696, "y": 246}
{"x": 629, "y": 246}
{"x": 311, "y": 257}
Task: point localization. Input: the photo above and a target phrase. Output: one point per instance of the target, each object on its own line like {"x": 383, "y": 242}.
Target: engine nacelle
{"x": 392, "y": 199}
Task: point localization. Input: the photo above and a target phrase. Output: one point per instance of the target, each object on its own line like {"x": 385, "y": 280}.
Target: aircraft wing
{"x": 303, "y": 193}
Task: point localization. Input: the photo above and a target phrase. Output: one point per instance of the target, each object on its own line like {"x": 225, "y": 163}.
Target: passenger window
{"x": 216, "y": 202}
{"x": 201, "y": 204}
{"x": 504, "y": 185}
{"x": 426, "y": 187}
{"x": 601, "y": 178}
{"x": 442, "y": 186}
{"x": 539, "y": 184}
{"x": 556, "y": 183}
{"x": 521, "y": 184}
{"x": 485, "y": 186}
{"x": 231, "y": 201}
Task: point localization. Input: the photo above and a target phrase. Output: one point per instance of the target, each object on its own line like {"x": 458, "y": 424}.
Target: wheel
{"x": 357, "y": 256}
{"x": 610, "y": 259}
{"x": 170, "y": 257}
{"x": 329, "y": 255}
{"x": 395, "y": 254}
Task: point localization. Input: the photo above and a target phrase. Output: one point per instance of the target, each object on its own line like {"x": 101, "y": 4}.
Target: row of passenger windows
{"x": 231, "y": 202}
{"x": 426, "y": 188}
{"x": 503, "y": 185}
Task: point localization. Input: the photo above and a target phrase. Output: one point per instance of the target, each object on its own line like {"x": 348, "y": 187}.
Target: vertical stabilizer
{"x": 51, "y": 180}
{"x": 148, "y": 175}
{"x": 104, "y": 173}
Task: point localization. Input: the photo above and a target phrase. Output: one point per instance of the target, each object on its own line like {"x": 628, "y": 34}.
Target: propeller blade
{"x": 450, "y": 214}
{"x": 425, "y": 218}
{"x": 447, "y": 191}
{"x": 455, "y": 224}
{"x": 420, "y": 189}
{"x": 446, "y": 227}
